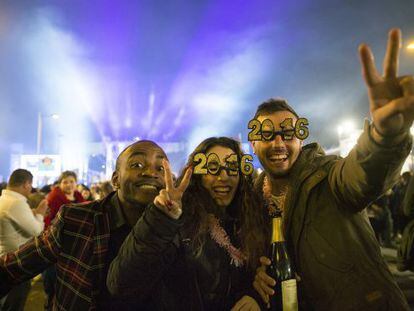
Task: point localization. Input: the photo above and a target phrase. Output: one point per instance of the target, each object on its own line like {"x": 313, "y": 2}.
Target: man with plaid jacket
{"x": 86, "y": 237}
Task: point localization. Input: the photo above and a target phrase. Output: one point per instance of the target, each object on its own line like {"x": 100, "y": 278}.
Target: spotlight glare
{"x": 346, "y": 127}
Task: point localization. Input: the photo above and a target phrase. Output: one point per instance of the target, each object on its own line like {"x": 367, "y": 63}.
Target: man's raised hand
{"x": 169, "y": 199}
{"x": 391, "y": 97}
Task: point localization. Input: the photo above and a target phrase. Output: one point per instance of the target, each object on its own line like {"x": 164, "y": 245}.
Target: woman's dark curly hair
{"x": 198, "y": 203}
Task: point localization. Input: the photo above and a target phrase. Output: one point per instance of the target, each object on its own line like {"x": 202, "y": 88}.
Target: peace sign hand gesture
{"x": 391, "y": 97}
{"x": 169, "y": 199}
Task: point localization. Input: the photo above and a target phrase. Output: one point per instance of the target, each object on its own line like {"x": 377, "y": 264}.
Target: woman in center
{"x": 197, "y": 246}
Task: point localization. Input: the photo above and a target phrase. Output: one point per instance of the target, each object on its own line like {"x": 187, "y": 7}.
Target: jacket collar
{"x": 308, "y": 161}
{"x": 113, "y": 207}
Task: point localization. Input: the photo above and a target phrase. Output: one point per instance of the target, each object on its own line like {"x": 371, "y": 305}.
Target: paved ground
{"x": 405, "y": 280}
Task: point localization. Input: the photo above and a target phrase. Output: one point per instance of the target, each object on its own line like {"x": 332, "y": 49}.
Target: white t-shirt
{"x": 17, "y": 221}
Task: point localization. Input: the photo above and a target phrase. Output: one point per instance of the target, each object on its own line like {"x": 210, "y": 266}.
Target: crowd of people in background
{"x": 387, "y": 215}
{"x": 26, "y": 211}
{"x": 94, "y": 191}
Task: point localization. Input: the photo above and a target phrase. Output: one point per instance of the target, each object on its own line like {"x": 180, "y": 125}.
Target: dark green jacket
{"x": 332, "y": 243}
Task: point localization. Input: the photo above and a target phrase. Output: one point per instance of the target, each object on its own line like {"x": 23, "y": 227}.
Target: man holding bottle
{"x": 331, "y": 244}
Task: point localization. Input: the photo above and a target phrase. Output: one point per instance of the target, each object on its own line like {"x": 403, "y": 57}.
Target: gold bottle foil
{"x": 277, "y": 234}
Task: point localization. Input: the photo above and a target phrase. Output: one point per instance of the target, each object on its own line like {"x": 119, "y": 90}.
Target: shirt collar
{"x": 14, "y": 194}
{"x": 116, "y": 216}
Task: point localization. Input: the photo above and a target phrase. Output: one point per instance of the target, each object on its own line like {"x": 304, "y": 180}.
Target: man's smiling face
{"x": 139, "y": 175}
{"x": 278, "y": 155}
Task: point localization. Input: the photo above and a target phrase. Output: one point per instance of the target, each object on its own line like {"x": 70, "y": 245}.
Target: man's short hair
{"x": 274, "y": 105}
{"x": 19, "y": 177}
{"x": 118, "y": 159}
{"x": 46, "y": 189}
{"x": 67, "y": 174}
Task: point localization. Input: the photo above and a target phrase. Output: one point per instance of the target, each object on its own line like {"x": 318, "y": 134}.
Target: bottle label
{"x": 289, "y": 295}
{"x": 277, "y": 235}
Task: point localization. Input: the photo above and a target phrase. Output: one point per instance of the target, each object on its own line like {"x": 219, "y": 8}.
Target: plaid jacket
{"x": 77, "y": 243}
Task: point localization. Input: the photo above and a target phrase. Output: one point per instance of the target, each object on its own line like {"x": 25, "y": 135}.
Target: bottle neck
{"x": 277, "y": 233}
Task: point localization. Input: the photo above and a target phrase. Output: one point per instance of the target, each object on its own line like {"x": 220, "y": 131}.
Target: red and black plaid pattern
{"x": 77, "y": 243}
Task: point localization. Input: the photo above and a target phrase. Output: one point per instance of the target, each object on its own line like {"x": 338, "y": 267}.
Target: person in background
{"x": 3, "y": 185}
{"x": 46, "y": 189}
{"x": 380, "y": 217}
{"x": 64, "y": 193}
{"x": 96, "y": 191}
{"x": 86, "y": 192}
{"x": 35, "y": 198}
{"x": 399, "y": 203}
{"x": 106, "y": 188}
{"x": 18, "y": 223}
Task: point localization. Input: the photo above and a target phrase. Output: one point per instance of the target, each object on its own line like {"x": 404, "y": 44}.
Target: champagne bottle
{"x": 285, "y": 297}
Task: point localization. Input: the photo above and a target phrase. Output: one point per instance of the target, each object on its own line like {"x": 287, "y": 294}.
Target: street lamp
{"x": 40, "y": 117}
{"x": 410, "y": 46}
